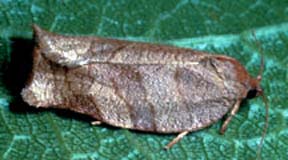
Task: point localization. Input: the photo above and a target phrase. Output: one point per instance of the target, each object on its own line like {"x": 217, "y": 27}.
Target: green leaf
{"x": 222, "y": 27}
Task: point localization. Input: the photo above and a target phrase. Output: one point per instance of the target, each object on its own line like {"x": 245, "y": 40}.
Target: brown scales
{"x": 133, "y": 85}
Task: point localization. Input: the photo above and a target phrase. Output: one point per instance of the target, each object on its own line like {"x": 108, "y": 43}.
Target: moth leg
{"x": 176, "y": 139}
{"x": 230, "y": 116}
{"x": 96, "y": 123}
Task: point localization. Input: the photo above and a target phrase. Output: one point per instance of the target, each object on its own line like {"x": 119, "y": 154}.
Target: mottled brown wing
{"x": 159, "y": 98}
{"x": 131, "y": 85}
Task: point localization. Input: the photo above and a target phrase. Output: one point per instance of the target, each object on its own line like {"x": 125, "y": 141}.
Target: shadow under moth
{"x": 140, "y": 86}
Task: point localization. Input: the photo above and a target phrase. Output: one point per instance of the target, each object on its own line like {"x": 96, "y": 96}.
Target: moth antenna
{"x": 259, "y": 76}
{"x": 265, "y": 100}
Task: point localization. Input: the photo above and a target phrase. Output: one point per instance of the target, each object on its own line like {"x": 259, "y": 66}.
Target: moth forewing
{"x": 141, "y": 86}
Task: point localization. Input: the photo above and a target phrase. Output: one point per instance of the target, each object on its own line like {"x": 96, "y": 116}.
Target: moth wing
{"x": 174, "y": 99}
{"x": 162, "y": 98}
{"x": 72, "y": 51}
{"x": 171, "y": 96}
{"x": 62, "y": 50}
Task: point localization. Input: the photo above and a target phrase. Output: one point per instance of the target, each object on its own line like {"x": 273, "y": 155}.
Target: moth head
{"x": 255, "y": 88}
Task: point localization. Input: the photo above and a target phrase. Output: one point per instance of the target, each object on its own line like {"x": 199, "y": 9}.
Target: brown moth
{"x": 140, "y": 86}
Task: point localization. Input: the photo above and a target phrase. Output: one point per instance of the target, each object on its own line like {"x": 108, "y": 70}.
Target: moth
{"x": 135, "y": 85}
